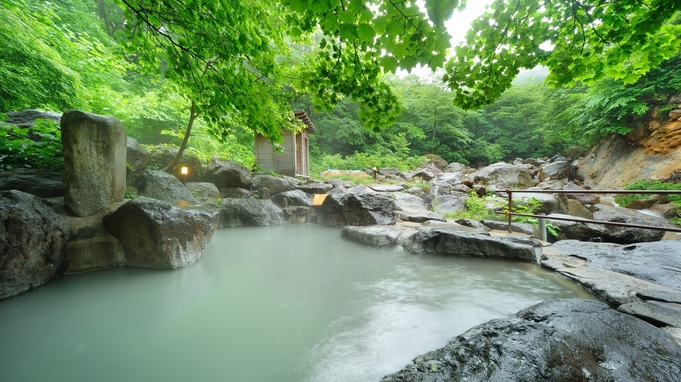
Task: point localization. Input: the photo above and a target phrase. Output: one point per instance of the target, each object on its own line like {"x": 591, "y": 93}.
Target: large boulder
{"x": 447, "y": 241}
{"x": 163, "y": 186}
{"x": 94, "y": 161}
{"x": 505, "y": 175}
{"x": 204, "y": 192}
{"x": 155, "y": 234}
{"x": 372, "y": 235}
{"x": 549, "y": 203}
{"x": 273, "y": 183}
{"x": 250, "y": 212}
{"x": 562, "y": 340}
{"x": 357, "y": 209}
{"x": 555, "y": 170}
{"x": 27, "y": 118}
{"x": 227, "y": 174}
{"x": 137, "y": 157}
{"x": 627, "y": 235}
{"x": 33, "y": 241}
{"x": 582, "y": 198}
{"x": 292, "y": 198}
{"x": 568, "y": 229}
{"x": 39, "y": 182}
{"x": 315, "y": 187}
{"x": 449, "y": 203}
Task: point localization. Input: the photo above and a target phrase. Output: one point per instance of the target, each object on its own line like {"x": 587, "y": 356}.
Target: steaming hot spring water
{"x": 282, "y": 303}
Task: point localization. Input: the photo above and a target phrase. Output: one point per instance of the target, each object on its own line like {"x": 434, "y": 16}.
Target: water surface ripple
{"x": 284, "y": 303}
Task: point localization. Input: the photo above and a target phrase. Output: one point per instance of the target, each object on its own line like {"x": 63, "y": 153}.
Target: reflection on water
{"x": 286, "y": 303}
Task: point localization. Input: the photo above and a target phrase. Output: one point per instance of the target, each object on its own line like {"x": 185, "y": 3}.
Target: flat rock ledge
{"x": 372, "y": 235}
{"x": 561, "y": 340}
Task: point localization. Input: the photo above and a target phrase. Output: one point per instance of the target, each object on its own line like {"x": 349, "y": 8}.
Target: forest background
{"x": 76, "y": 54}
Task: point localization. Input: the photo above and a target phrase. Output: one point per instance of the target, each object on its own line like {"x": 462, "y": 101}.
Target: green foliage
{"x": 583, "y": 41}
{"x": 626, "y": 200}
{"x": 362, "y": 161}
{"x": 36, "y": 147}
{"x": 476, "y": 208}
{"x": 529, "y": 207}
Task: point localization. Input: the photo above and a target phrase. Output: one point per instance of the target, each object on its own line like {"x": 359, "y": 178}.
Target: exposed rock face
{"x": 385, "y": 187}
{"x": 155, "y": 234}
{"x": 227, "y": 174}
{"x": 340, "y": 210}
{"x": 292, "y": 198}
{"x": 39, "y": 182}
{"x": 163, "y": 186}
{"x": 563, "y": 340}
{"x": 94, "y": 161}
{"x": 549, "y": 202}
{"x": 575, "y": 208}
{"x": 576, "y": 230}
{"x": 626, "y": 235}
{"x": 372, "y": 235}
{"x": 33, "y": 240}
{"x": 137, "y": 156}
{"x": 449, "y": 203}
{"x": 447, "y": 241}
{"x": 204, "y": 192}
{"x": 250, "y": 212}
{"x": 274, "y": 184}
{"x": 234, "y": 192}
{"x": 555, "y": 170}
{"x": 419, "y": 216}
{"x": 26, "y": 118}
{"x": 315, "y": 188}
{"x": 657, "y": 262}
{"x": 525, "y": 228}
{"x": 505, "y": 176}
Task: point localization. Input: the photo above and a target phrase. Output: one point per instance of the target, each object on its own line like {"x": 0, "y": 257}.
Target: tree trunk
{"x": 178, "y": 157}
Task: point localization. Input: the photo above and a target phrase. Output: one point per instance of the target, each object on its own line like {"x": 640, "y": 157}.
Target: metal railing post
{"x": 510, "y": 208}
{"x": 542, "y": 228}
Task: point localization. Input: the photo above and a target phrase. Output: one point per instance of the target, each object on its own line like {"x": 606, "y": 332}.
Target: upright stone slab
{"x": 94, "y": 161}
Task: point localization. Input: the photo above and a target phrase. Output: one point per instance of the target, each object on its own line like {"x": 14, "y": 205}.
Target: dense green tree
{"x": 578, "y": 40}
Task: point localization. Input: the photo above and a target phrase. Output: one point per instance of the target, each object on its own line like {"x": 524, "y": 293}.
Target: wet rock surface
{"x": 227, "y": 174}
{"x": 155, "y": 234}
{"x": 357, "y": 209}
{"x": 373, "y": 235}
{"x": 33, "y": 240}
{"x": 40, "y": 182}
{"x": 250, "y": 212}
{"x": 163, "y": 186}
{"x": 562, "y": 340}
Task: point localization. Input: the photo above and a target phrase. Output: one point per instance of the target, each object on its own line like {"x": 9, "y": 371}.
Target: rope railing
{"x": 509, "y": 212}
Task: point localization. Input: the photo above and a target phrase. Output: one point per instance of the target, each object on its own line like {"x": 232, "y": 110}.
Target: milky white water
{"x": 284, "y": 303}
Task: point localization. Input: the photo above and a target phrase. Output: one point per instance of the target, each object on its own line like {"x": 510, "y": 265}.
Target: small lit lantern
{"x": 184, "y": 171}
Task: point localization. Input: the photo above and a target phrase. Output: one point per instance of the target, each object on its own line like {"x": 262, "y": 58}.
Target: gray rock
{"x": 408, "y": 202}
{"x": 438, "y": 240}
{"x": 94, "y": 161}
{"x": 554, "y": 170}
{"x": 27, "y": 118}
{"x": 163, "y": 186}
{"x": 553, "y": 184}
{"x": 525, "y": 228}
{"x": 388, "y": 171}
{"x": 439, "y": 189}
{"x": 203, "y": 191}
{"x": 657, "y": 262}
{"x": 626, "y": 235}
{"x": 340, "y": 210}
{"x": 250, "y": 212}
{"x": 655, "y": 312}
{"x": 562, "y": 340}
{"x": 292, "y": 198}
{"x": 455, "y": 167}
{"x": 372, "y": 235}
{"x": 39, "y": 182}
{"x": 461, "y": 188}
{"x": 424, "y": 174}
{"x": 315, "y": 188}
{"x": 357, "y": 189}
{"x": 273, "y": 183}
{"x": 666, "y": 210}
{"x": 155, "y": 234}
{"x": 297, "y": 214}
{"x": 657, "y": 295}
{"x": 575, "y": 208}
{"x": 505, "y": 176}
{"x": 419, "y": 216}
{"x": 449, "y": 203}
{"x": 234, "y": 192}
{"x": 582, "y": 198}
{"x": 33, "y": 241}
{"x": 576, "y": 230}
{"x": 227, "y": 174}
{"x": 385, "y": 187}
{"x": 549, "y": 202}
{"x": 137, "y": 157}
{"x": 472, "y": 224}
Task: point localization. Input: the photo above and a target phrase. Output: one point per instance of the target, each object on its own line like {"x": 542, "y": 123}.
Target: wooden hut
{"x": 295, "y": 160}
